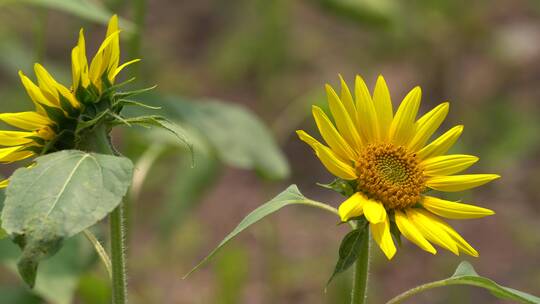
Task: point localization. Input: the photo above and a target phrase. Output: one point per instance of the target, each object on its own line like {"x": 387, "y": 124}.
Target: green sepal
{"x": 121, "y": 95}
{"x": 86, "y": 124}
{"x": 157, "y": 121}
{"x": 38, "y": 140}
{"x": 114, "y": 87}
{"x": 394, "y": 230}
{"x": 350, "y": 249}
{"x": 127, "y": 102}
{"x": 55, "y": 114}
{"x": 87, "y": 95}
{"x": 67, "y": 107}
{"x": 341, "y": 186}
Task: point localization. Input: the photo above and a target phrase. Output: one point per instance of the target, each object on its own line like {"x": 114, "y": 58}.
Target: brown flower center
{"x": 391, "y": 175}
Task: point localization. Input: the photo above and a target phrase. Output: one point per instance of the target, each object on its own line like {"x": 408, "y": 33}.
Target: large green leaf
{"x": 236, "y": 135}
{"x": 466, "y": 275}
{"x": 87, "y": 9}
{"x": 290, "y": 196}
{"x": 65, "y": 193}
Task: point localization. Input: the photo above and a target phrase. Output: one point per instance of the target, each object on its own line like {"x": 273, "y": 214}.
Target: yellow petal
{"x": 442, "y": 144}
{"x": 374, "y": 211}
{"x": 456, "y": 183}
{"x": 367, "y": 117}
{"x": 331, "y": 135}
{"x": 343, "y": 120}
{"x": 447, "y": 164}
{"x": 383, "y": 106}
{"x": 46, "y": 83}
{"x": 453, "y": 210}
{"x": 113, "y": 52}
{"x": 348, "y": 102}
{"x": 402, "y": 127}
{"x": 35, "y": 93}
{"x": 328, "y": 158}
{"x": 30, "y": 121}
{"x": 352, "y": 207}
{"x": 411, "y": 233}
{"x": 5, "y": 152}
{"x": 381, "y": 235}
{"x": 17, "y": 156}
{"x": 308, "y": 139}
{"x": 460, "y": 241}
{"x": 427, "y": 125}
{"x": 427, "y": 225}
{"x": 15, "y": 138}
{"x": 104, "y": 59}
{"x": 68, "y": 95}
{"x": 4, "y": 183}
{"x": 79, "y": 63}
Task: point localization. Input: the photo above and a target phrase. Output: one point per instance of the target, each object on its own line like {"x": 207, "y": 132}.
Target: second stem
{"x": 361, "y": 271}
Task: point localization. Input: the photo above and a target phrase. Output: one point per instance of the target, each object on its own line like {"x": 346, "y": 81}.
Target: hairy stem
{"x": 361, "y": 272}
{"x": 118, "y": 257}
{"x": 98, "y": 141}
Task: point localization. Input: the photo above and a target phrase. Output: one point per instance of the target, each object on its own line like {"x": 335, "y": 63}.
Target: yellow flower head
{"x": 55, "y": 111}
{"x": 104, "y": 66}
{"x": 386, "y": 156}
{"x": 55, "y": 123}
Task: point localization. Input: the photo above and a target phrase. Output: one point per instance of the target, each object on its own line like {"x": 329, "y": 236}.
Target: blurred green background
{"x": 239, "y": 77}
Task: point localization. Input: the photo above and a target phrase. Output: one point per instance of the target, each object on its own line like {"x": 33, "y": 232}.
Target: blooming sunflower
{"x": 104, "y": 67}
{"x": 53, "y": 125}
{"x": 46, "y": 129}
{"x": 386, "y": 157}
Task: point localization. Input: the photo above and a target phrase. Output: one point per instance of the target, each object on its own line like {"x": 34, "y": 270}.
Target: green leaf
{"x": 59, "y": 275}
{"x": 290, "y": 196}
{"x": 65, "y": 193}
{"x": 349, "y": 250}
{"x": 236, "y": 135}
{"x": 87, "y": 9}
{"x": 466, "y": 275}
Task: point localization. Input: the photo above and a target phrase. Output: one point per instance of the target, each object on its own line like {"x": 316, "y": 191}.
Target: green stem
{"x": 409, "y": 293}
{"x": 98, "y": 141}
{"x": 361, "y": 272}
{"x": 118, "y": 258}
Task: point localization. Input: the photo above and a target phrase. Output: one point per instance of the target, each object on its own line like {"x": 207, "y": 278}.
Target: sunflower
{"x": 46, "y": 129}
{"x": 103, "y": 68}
{"x": 386, "y": 157}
